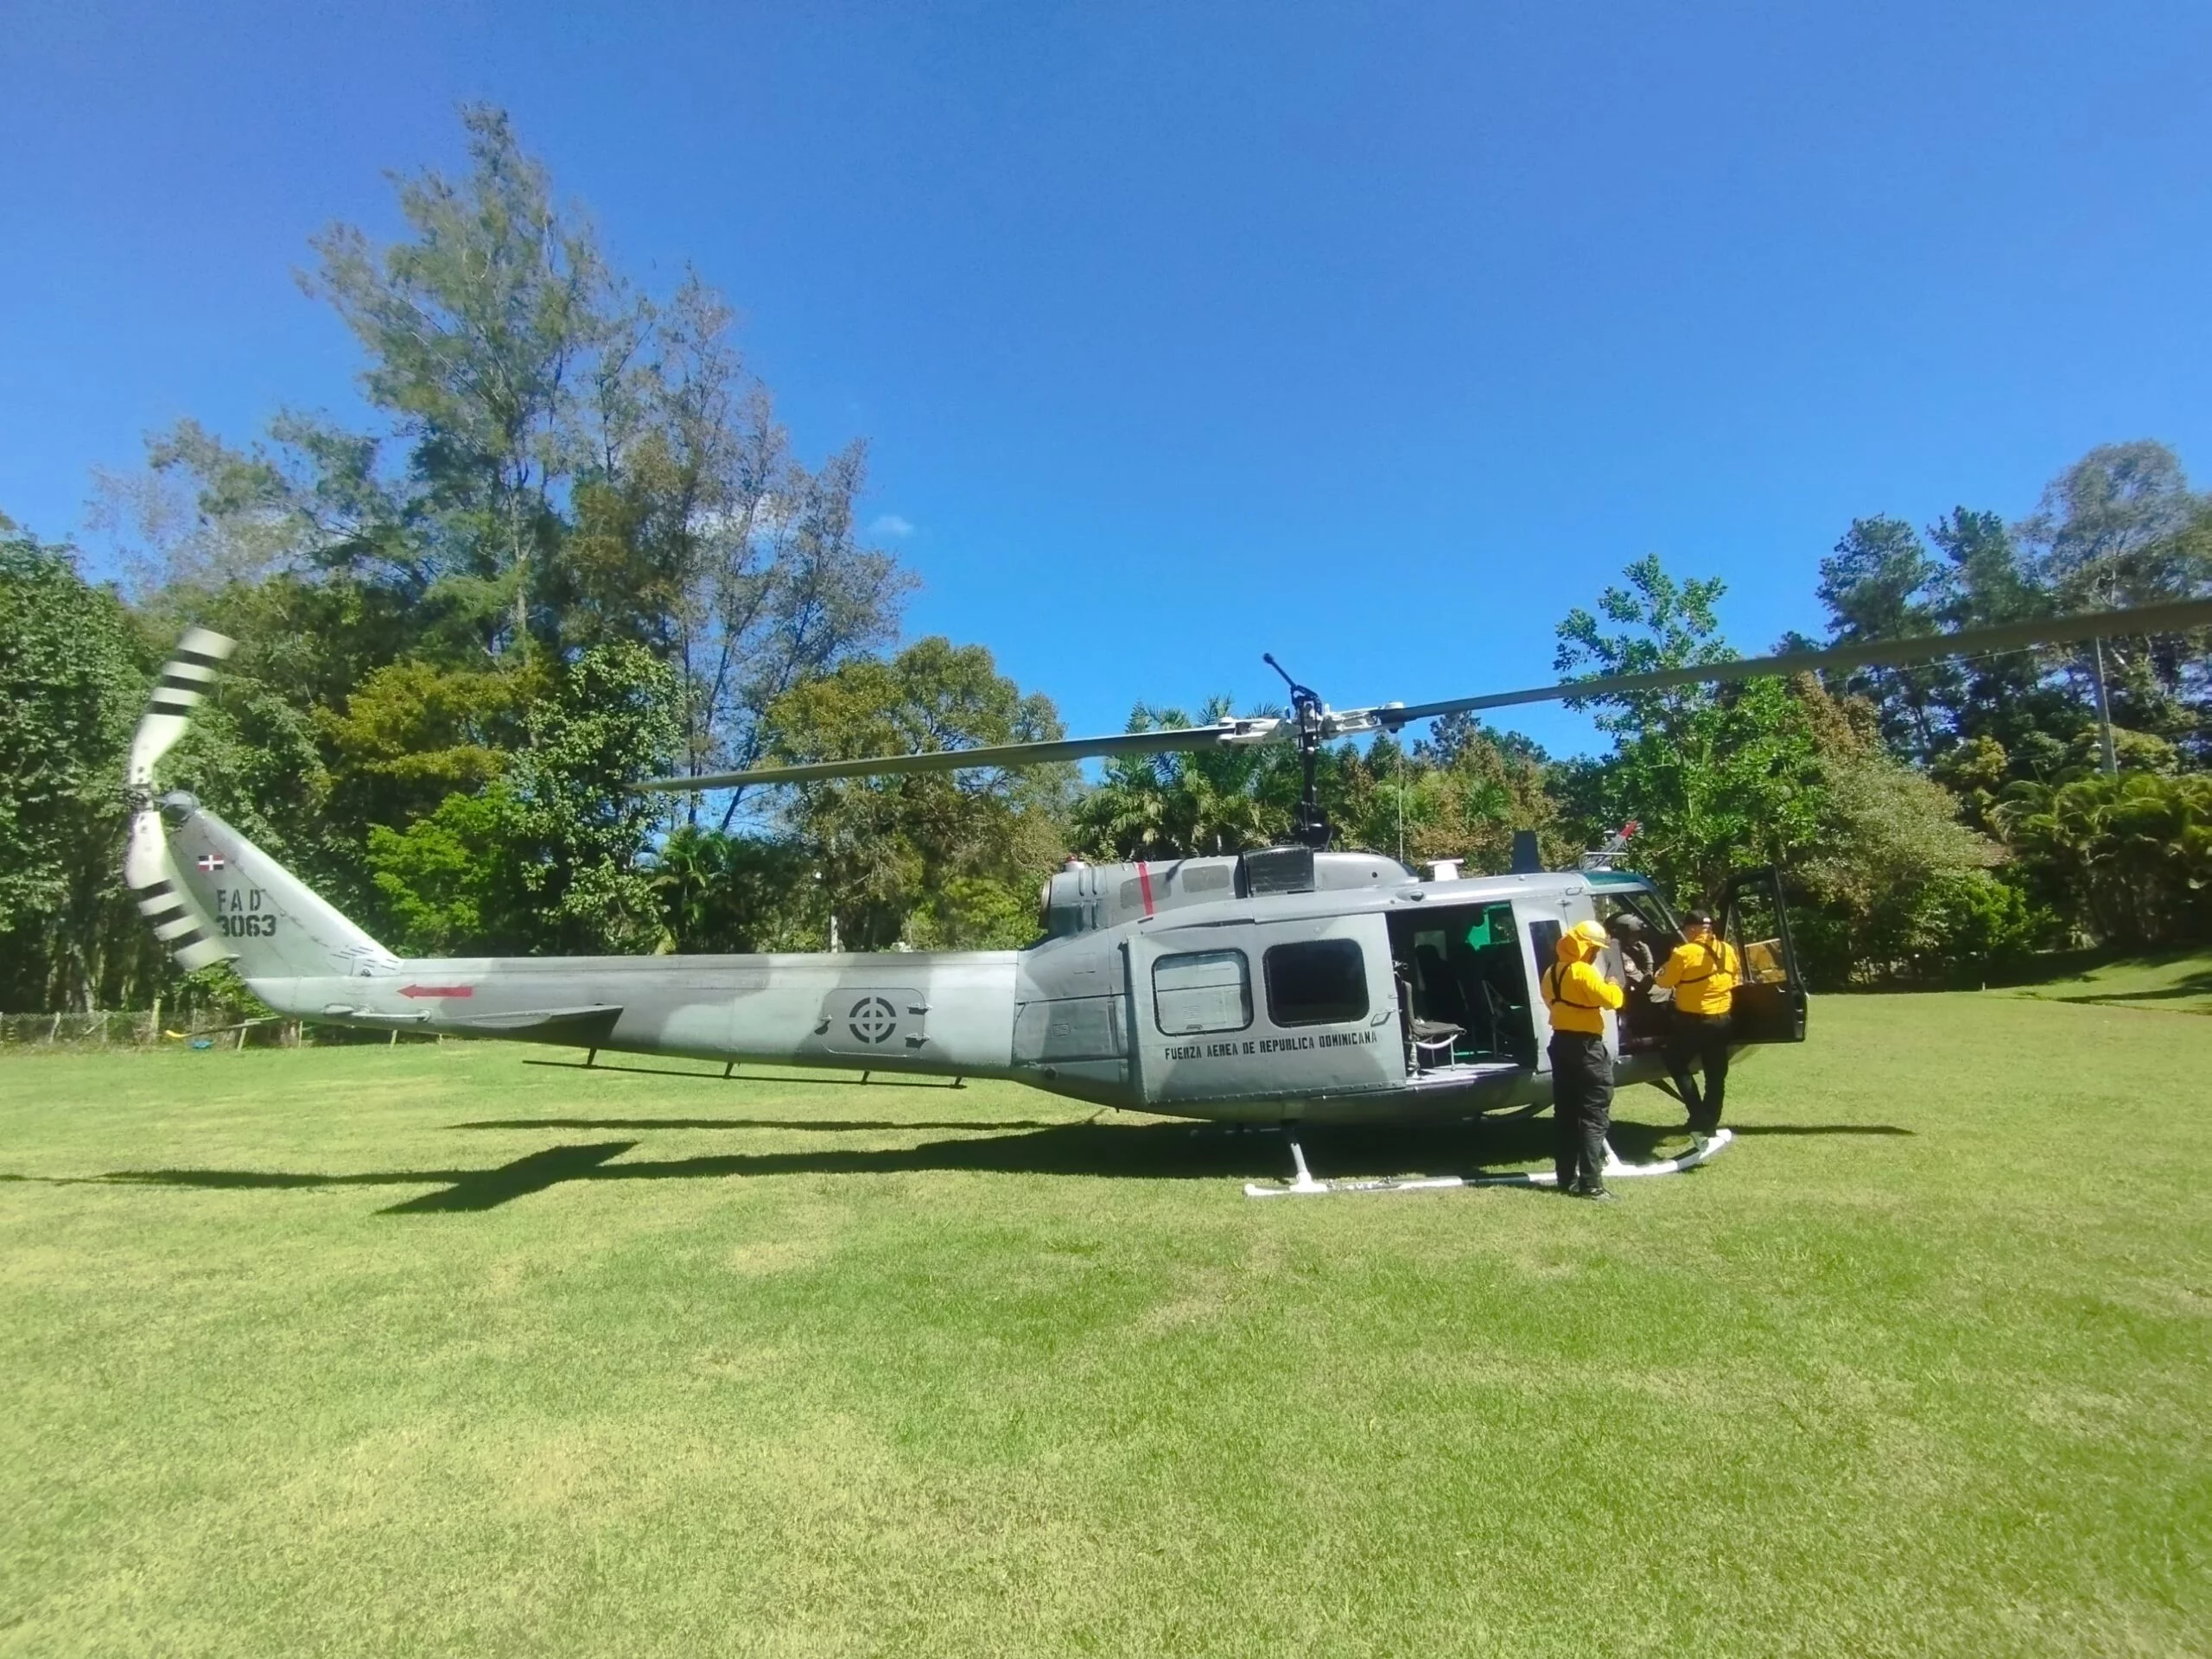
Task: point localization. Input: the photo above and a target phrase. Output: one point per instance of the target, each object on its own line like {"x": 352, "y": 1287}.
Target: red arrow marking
{"x": 437, "y": 990}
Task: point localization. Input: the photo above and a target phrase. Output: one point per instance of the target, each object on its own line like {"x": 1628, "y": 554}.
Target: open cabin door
{"x": 1769, "y": 1003}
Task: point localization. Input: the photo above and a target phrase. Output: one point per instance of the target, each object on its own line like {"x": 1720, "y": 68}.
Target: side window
{"x": 1320, "y": 984}
{"x": 1544, "y": 938}
{"x": 1203, "y": 990}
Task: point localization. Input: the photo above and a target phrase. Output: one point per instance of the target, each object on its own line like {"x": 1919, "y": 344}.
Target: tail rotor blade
{"x": 155, "y": 883}
{"x": 184, "y": 681}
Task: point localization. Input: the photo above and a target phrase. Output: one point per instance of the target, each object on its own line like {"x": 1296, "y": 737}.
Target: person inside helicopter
{"x": 1643, "y": 1024}
{"x": 1627, "y": 931}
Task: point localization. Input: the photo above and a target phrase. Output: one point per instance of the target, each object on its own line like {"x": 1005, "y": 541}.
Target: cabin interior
{"x": 1464, "y": 988}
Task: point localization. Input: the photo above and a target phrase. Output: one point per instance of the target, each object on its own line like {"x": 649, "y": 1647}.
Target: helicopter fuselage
{"x": 1380, "y": 998}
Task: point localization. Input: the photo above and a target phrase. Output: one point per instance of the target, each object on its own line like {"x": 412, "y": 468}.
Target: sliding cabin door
{"x": 1277, "y": 1010}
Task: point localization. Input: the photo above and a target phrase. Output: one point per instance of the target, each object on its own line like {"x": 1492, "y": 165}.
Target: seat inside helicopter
{"x": 1463, "y": 988}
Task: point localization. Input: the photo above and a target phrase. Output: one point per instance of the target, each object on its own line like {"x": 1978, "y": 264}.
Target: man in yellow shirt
{"x": 1702, "y": 973}
{"x": 1578, "y": 995}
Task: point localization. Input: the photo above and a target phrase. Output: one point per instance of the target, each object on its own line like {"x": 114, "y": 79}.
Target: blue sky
{"x": 1374, "y": 335}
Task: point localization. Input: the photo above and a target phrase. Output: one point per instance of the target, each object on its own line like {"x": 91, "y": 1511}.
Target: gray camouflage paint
{"x": 1076, "y": 1015}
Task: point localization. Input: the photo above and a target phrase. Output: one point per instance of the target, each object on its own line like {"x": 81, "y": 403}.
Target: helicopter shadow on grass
{"x": 1150, "y": 1151}
{"x": 2191, "y": 988}
{"x": 809, "y": 1125}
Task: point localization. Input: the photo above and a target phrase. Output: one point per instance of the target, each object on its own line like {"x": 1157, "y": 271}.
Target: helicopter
{"x": 1278, "y": 986}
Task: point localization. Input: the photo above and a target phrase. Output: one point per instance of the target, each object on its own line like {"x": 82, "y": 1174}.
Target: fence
{"x": 155, "y": 1029}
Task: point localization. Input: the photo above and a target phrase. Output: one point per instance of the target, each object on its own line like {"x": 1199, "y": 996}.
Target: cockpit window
{"x": 1639, "y": 901}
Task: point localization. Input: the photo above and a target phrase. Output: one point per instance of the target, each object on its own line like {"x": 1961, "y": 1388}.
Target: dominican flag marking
{"x": 210, "y": 863}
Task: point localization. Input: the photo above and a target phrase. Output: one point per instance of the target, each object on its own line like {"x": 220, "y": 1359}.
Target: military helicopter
{"x": 1283, "y": 986}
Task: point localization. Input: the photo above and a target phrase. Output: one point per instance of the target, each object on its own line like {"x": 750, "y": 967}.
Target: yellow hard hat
{"x": 1591, "y": 934}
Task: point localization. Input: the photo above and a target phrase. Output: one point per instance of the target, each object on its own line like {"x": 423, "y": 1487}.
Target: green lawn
{"x": 2179, "y": 982}
{"x": 426, "y": 1349}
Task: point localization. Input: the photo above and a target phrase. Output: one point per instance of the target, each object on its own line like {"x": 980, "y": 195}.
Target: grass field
{"x": 427, "y": 1350}
{"x": 2180, "y": 984}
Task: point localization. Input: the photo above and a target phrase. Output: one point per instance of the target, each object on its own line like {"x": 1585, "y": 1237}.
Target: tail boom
{"x": 212, "y": 895}
{"x": 948, "y": 1012}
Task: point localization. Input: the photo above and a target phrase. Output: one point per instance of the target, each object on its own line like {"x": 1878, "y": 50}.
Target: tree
{"x": 70, "y": 689}
{"x": 574, "y": 528}
{"x": 1461, "y": 793}
{"x": 554, "y": 854}
{"x": 700, "y": 536}
{"x": 791, "y": 593}
{"x": 451, "y": 882}
{"x": 1715, "y": 776}
{"x": 924, "y": 859}
{"x": 570, "y": 463}
{"x": 1902, "y": 889}
{"x": 1184, "y": 804}
{"x": 2100, "y": 535}
{"x": 413, "y": 733}
{"x": 1877, "y": 585}
{"x": 2120, "y": 527}
{"x": 722, "y": 892}
{"x": 2009, "y": 699}
{"x": 613, "y": 724}
{"x": 486, "y": 334}
{"x": 2128, "y": 858}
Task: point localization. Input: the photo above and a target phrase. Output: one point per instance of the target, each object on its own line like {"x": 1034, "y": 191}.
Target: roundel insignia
{"x": 873, "y": 1020}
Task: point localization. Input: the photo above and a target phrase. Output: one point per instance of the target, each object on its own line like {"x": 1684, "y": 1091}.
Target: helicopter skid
{"x": 1306, "y": 1187}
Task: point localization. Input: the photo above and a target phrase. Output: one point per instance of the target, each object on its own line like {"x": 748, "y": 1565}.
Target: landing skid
{"x": 1306, "y": 1187}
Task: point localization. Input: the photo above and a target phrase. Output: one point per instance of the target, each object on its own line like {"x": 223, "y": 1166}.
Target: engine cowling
{"x": 1083, "y": 898}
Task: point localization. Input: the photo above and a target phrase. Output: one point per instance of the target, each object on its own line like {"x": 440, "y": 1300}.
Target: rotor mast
{"x": 1311, "y": 828}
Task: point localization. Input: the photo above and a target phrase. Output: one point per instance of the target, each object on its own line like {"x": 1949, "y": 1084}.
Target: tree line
{"x": 576, "y": 549}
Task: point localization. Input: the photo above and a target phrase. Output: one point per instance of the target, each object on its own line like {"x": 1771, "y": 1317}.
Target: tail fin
{"x": 266, "y": 919}
{"x": 215, "y": 896}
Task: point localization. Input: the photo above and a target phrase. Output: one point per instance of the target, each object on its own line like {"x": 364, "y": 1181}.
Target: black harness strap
{"x": 1714, "y": 964}
{"x": 1555, "y": 988}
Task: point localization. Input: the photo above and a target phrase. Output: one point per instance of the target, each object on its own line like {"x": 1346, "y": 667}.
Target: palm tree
{"x": 1183, "y": 805}
{"x": 2131, "y": 856}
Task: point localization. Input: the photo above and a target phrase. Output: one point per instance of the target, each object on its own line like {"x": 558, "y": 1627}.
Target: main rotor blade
{"x": 2179, "y": 617}
{"x": 1004, "y": 754}
{"x": 2136, "y": 622}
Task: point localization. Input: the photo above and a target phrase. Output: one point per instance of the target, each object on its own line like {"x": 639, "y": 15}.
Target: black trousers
{"x": 1582, "y": 1107}
{"x": 1700, "y": 1039}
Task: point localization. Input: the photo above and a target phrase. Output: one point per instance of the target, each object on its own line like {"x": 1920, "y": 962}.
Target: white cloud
{"x": 892, "y": 524}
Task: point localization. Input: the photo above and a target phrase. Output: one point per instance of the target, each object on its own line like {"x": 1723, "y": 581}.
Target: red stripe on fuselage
{"x": 1144, "y": 885}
